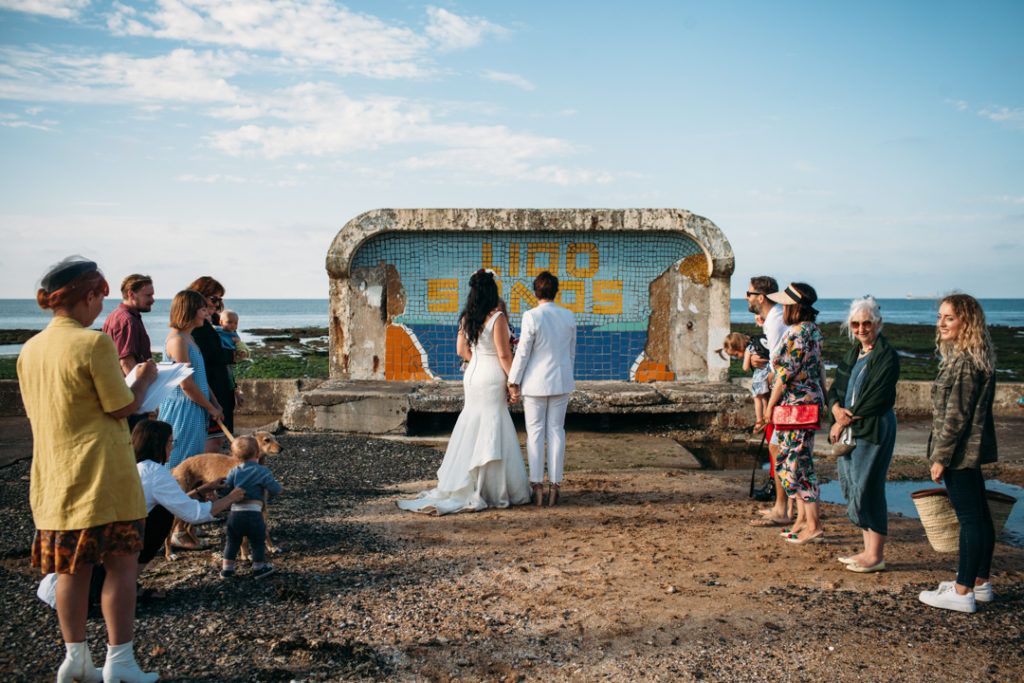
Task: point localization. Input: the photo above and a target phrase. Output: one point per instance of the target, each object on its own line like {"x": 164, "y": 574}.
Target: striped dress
{"x": 187, "y": 418}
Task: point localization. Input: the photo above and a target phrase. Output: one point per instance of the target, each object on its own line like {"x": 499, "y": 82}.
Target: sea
{"x": 291, "y": 313}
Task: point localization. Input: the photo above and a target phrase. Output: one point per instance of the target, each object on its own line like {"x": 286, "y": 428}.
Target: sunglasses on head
{"x": 856, "y": 324}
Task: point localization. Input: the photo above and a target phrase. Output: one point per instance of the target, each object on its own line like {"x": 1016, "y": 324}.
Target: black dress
{"x": 217, "y": 358}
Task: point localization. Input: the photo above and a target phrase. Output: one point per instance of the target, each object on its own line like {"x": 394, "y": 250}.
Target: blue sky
{"x": 862, "y": 147}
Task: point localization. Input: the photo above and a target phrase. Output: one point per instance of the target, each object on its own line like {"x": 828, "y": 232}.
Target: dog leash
{"x": 226, "y": 431}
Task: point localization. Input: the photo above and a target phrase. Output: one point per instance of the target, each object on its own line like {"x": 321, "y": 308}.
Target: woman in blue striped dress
{"x": 188, "y": 408}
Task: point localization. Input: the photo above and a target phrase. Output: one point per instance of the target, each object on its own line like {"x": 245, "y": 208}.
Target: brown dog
{"x": 207, "y": 467}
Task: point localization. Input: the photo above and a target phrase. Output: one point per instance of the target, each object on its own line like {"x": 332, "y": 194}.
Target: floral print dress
{"x": 798, "y": 364}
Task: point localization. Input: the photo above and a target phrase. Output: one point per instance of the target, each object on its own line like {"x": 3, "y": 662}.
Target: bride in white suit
{"x": 483, "y": 465}
{"x": 542, "y": 374}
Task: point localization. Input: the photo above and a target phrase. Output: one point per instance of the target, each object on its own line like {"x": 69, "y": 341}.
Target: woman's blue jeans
{"x": 966, "y": 489}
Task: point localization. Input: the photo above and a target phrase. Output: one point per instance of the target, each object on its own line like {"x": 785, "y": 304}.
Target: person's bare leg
{"x": 118, "y": 597}
{"x": 874, "y": 549}
{"x": 214, "y": 444}
{"x": 73, "y": 603}
{"x": 779, "y": 510}
{"x": 812, "y": 523}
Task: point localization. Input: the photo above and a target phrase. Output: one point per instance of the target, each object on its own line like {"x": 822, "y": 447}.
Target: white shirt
{"x": 161, "y": 488}
{"x": 774, "y": 327}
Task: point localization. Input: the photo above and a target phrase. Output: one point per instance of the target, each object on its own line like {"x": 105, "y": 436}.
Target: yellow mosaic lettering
{"x": 443, "y": 296}
{"x": 520, "y": 293}
{"x": 607, "y": 297}
{"x": 513, "y": 259}
{"x": 486, "y": 258}
{"x": 574, "y": 251}
{"x": 534, "y": 248}
{"x": 577, "y": 289}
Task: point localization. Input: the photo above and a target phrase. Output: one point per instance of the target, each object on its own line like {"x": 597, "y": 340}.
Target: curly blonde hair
{"x": 973, "y": 339}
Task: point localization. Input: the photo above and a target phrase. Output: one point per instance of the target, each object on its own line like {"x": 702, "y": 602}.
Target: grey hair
{"x": 867, "y": 304}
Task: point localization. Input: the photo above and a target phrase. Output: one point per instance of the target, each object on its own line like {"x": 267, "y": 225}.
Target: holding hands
{"x": 513, "y": 393}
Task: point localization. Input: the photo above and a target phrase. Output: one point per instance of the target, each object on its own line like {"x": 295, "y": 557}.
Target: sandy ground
{"x": 647, "y": 571}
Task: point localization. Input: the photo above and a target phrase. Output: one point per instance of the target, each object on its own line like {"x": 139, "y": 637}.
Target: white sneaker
{"x": 982, "y": 593}
{"x": 946, "y": 597}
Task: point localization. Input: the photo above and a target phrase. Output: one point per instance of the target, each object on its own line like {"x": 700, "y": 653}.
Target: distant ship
{"x": 913, "y": 297}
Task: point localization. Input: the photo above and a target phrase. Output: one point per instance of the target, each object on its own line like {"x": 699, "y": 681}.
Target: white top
{"x": 161, "y": 488}
{"x": 774, "y": 327}
{"x": 546, "y": 352}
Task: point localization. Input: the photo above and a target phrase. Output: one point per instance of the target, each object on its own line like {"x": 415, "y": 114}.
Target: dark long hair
{"x": 482, "y": 299}
{"x": 149, "y": 438}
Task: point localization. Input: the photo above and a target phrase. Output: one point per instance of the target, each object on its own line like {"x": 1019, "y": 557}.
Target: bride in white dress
{"x": 483, "y": 465}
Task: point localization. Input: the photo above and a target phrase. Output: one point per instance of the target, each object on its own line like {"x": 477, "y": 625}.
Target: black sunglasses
{"x": 215, "y": 299}
{"x": 756, "y": 294}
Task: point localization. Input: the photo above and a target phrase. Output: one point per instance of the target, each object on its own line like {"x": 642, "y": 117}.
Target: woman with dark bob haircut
{"x": 799, "y": 380}
{"x": 153, "y": 442}
{"x": 87, "y": 500}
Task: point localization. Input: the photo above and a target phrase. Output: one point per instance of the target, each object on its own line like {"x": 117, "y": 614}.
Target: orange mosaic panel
{"x": 650, "y": 371}
{"x": 402, "y": 360}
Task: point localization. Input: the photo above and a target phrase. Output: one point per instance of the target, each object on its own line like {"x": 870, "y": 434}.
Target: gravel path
{"x": 641, "y": 575}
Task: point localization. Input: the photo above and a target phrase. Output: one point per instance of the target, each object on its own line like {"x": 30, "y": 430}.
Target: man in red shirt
{"x": 124, "y": 324}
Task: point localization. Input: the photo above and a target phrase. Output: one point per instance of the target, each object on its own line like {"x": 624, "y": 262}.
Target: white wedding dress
{"x": 483, "y": 465}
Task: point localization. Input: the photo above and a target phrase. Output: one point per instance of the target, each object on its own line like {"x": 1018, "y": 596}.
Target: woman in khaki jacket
{"x": 962, "y": 440}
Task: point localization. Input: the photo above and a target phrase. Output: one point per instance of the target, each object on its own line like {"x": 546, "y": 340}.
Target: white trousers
{"x": 545, "y": 418}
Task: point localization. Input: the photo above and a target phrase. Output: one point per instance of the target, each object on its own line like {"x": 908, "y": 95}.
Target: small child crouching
{"x": 246, "y": 518}
{"x": 742, "y": 347}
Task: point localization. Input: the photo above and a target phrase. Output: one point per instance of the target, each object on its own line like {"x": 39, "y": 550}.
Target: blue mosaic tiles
{"x": 604, "y": 280}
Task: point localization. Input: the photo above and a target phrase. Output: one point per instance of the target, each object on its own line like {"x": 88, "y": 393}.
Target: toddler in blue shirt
{"x": 246, "y": 518}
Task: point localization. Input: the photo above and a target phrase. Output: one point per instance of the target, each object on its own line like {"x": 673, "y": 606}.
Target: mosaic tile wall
{"x": 604, "y": 280}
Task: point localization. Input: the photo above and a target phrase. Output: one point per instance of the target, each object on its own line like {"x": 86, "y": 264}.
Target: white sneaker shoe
{"x": 946, "y": 597}
{"x": 982, "y": 593}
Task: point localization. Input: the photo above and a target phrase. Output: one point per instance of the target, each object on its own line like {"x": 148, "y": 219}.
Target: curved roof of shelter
{"x": 379, "y": 221}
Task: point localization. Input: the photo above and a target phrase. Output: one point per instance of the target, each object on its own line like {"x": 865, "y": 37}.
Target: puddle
{"x": 897, "y": 497}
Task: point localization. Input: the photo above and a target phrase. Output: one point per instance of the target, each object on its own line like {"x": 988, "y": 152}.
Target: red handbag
{"x": 803, "y": 416}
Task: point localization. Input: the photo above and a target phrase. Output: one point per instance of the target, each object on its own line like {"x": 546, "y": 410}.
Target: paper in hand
{"x": 169, "y": 375}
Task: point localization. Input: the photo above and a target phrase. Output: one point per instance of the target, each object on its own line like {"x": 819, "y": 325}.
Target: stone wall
{"x": 649, "y": 288}
{"x": 271, "y": 396}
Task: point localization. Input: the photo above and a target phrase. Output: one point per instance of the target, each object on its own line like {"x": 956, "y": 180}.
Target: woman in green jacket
{"x": 963, "y": 439}
{"x": 862, "y": 398}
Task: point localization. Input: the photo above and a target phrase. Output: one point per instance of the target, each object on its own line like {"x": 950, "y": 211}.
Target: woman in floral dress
{"x": 799, "y": 380}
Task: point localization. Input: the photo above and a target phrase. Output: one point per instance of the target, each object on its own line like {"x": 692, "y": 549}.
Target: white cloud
{"x": 60, "y": 9}
{"x": 453, "y": 32}
{"x": 181, "y": 76}
{"x": 1012, "y": 118}
{"x": 300, "y": 32}
{"x": 511, "y": 79}
{"x": 959, "y": 105}
{"x": 316, "y": 119}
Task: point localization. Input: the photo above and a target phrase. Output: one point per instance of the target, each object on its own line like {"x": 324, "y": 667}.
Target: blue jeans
{"x": 966, "y": 489}
{"x": 248, "y": 524}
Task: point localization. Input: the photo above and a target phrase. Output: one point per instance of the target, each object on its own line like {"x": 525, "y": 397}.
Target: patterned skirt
{"x": 64, "y": 552}
{"x": 796, "y": 464}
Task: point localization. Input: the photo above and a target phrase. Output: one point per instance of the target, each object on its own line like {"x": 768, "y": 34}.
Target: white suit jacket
{"x": 546, "y": 352}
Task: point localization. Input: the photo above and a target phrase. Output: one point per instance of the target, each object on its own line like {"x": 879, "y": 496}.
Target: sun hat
{"x": 791, "y": 295}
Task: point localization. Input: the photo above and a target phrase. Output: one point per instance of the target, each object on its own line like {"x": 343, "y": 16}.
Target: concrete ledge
{"x": 371, "y": 407}
{"x": 271, "y": 396}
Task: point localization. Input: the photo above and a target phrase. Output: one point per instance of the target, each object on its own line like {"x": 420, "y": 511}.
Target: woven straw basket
{"x": 939, "y": 520}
